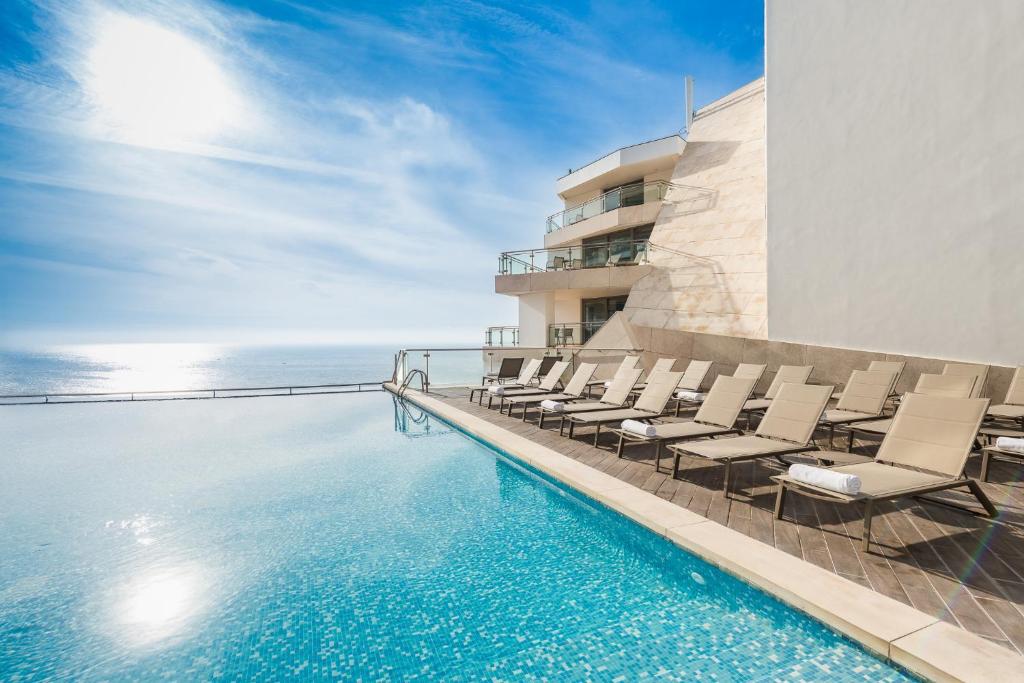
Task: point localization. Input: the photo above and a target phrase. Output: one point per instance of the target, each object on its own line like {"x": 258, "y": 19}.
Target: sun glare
{"x": 156, "y": 86}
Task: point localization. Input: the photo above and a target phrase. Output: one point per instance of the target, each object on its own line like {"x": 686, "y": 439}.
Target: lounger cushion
{"x": 614, "y": 415}
{"x": 757, "y": 404}
{"x": 874, "y": 426}
{"x": 837, "y": 416}
{"x": 1006, "y": 411}
{"x": 877, "y": 479}
{"x": 735, "y": 448}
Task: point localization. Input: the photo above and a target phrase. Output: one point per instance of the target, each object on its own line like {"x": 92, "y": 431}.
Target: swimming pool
{"x": 309, "y": 537}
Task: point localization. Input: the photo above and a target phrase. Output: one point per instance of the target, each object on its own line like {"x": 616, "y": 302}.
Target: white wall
{"x": 535, "y": 312}
{"x": 895, "y": 154}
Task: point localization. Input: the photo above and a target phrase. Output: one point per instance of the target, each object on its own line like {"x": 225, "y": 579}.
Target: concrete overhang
{"x": 623, "y": 166}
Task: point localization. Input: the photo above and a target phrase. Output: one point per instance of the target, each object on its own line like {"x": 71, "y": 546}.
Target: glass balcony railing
{"x": 615, "y": 253}
{"x": 627, "y": 195}
{"x": 501, "y": 335}
{"x": 572, "y": 334}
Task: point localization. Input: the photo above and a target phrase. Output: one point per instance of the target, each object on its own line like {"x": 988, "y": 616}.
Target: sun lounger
{"x": 526, "y": 375}
{"x": 547, "y": 385}
{"x": 716, "y": 417}
{"x": 956, "y": 386}
{"x": 573, "y": 390}
{"x": 786, "y": 374}
{"x": 863, "y": 399}
{"x": 613, "y": 398}
{"x": 1012, "y": 407}
{"x": 650, "y": 404}
{"x": 693, "y": 399}
{"x": 660, "y": 365}
{"x": 628, "y": 363}
{"x": 787, "y": 428}
{"x": 924, "y": 451}
{"x": 995, "y": 452}
{"x": 895, "y": 366}
{"x": 978, "y": 372}
{"x": 509, "y": 369}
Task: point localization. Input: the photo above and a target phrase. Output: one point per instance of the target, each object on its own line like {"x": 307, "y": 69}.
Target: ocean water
{"x": 173, "y": 367}
{"x": 347, "y": 537}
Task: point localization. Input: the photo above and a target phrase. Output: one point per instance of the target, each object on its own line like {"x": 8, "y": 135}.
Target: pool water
{"x": 333, "y": 537}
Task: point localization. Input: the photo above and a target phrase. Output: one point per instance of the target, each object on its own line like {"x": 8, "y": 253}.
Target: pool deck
{"x": 963, "y": 570}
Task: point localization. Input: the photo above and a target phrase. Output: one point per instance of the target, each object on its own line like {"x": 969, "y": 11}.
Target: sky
{"x": 302, "y": 171}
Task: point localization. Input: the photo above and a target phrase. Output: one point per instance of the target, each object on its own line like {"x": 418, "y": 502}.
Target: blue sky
{"x": 315, "y": 171}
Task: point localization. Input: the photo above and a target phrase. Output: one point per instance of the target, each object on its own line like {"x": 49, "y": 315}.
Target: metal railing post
{"x": 426, "y": 371}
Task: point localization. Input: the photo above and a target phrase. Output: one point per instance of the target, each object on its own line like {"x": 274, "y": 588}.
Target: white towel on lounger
{"x": 1010, "y": 443}
{"x": 497, "y": 391}
{"x": 607, "y": 384}
{"x": 556, "y": 406}
{"x": 640, "y": 428}
{"x": 695, "y": 396}
{"x": 825, "y": 478}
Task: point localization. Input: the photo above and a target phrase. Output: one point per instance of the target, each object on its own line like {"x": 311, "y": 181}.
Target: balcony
{"x": 616, "y": 265}
{"x": 501, "y": 335}
{"x": 627, "y": 195}
{"x": 572, "y": 334}
{"x": 616, "y": 253}
{"x": 626, "y": 206}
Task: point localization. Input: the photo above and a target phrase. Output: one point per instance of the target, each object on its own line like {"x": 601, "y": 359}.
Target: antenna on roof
{"x": 688, "y": 104}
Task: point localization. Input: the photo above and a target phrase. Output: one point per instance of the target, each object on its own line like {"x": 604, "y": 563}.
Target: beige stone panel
{"x": 785, "y": 353}
{"x": 834, "y": 366}
{"x": 626, "y": 276}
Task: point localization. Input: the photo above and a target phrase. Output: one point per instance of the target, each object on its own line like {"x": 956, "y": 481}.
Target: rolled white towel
{"x": 640, "y": 428}
{"x": 825, "y": 478}
{"x": 1010, "y": 443}
{"x": 556, "y": 406}
{"x": 496, "y": 390}
{"x": 695, "y": 396}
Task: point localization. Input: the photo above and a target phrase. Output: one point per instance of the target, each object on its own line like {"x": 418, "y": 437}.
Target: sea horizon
{"x": 183, "y": 366}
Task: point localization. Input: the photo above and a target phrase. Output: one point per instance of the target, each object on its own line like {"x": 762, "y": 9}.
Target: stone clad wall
{"x": 710, "y": 275}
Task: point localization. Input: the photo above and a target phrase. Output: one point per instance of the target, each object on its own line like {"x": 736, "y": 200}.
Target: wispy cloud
{"x": 376, "y": 164}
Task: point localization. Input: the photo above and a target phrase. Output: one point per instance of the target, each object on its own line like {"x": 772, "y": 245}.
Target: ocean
{"x": 172, "y": 367}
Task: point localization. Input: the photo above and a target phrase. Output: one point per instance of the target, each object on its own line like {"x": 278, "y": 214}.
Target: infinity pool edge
{"x": 918, "y": 642}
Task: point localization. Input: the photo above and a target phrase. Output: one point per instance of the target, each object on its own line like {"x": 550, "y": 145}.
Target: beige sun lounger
{"x": 613, "y": 398}
{"x": 752, "y": 371}
{"x": 978, "y": 372}
{"x": 573, "y": 390}
{"x": 546, "y": 386}
{"x": 955, "y": 386}
{"x": 924, "y": 451}
{"x": 896, "y": 366}
{"x": 1012, "y": 407}
{"x": 628, "y": 363}
{"x": 990, "y": 453}
{"x": 649, "y": 405}
{"x": 526, "y": 375}
{"x": 716, "y": 417}
{"x": 863, "y": 399}
{"x": 660, "y": 365}
{"x": 787, "y": 428}
{"x": 786, "y": 374}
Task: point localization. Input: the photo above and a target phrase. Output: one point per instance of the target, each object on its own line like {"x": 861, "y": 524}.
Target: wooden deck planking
{"x": 966, "y": 570}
